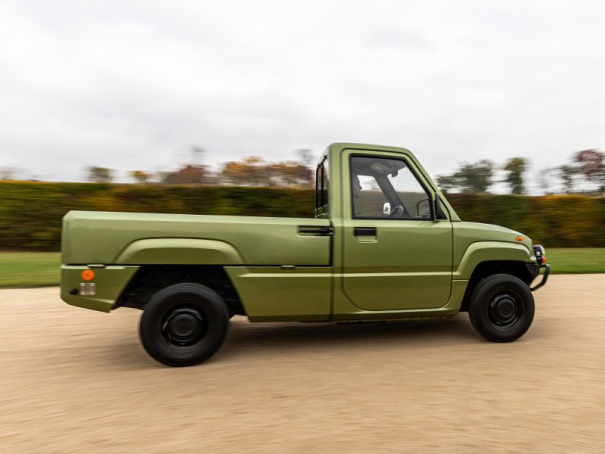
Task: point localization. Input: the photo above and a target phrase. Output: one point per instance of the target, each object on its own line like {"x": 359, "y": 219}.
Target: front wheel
{"x": 184, "y": 324}
{"x": 502, "y": 308}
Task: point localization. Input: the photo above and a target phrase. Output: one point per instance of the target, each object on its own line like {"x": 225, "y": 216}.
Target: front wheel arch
{"x": 485, "y": 269}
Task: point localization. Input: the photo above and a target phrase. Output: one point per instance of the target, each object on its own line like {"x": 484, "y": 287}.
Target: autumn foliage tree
{"x": 190, "y": 174}
{"x": 140, "y": 176}
{"x": 591, "y": 165}
{"x": 253, "y": 171}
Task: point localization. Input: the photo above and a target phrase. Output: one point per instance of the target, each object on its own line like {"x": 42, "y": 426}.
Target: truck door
{"x": 396, "y": 256}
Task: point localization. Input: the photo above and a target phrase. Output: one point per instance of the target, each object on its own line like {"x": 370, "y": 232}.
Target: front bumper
{"x": 540, "y": 263}
{"x": 544, "y": 278}
{"x": 109, "y": 282}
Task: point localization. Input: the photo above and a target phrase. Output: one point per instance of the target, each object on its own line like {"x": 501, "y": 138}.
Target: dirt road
{"x": 73, "y": 380}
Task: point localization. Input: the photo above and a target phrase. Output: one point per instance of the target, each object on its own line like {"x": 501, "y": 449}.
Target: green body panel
{"x": 398, "y": 269}
{"x": 345, "y": 310}
{"x": 180, "y": 251}
{"x": 110, "y": 282}
{"x": 467, "y": 233}
{"x": 274, "y": 294}
{"x": 487, "y": 251}
{"x": 99, "y": 237}
{"x": 409, "y": 269}
{"x": 475, "y": 243}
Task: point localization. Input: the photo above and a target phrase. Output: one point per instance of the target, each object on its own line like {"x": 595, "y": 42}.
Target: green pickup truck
{"x": 385, "y": 244}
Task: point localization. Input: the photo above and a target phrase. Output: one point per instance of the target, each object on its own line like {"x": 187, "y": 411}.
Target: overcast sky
{"x": 134, "y": 84}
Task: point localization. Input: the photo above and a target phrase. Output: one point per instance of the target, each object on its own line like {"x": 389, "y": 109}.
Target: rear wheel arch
{"x": 150, "y": 279}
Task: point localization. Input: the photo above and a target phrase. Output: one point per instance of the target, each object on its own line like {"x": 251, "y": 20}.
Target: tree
{"x": 140, "y": 176}
{"x": 255, "y": 171}
{"x": 476, "y": 177}
{"x": 545, "y": 179}
{"x": 566, "y": 174}
{"x": 161, "y": 176}
{"x": 290, "y": 173}
{"x": 305, "y": 157}
{"x": 447, "y": 182}
{"x": 187, "y": 175}
{"x": 233, "y": 172}
{"x": 516, "y": 168}
{"x": 252, "y": 171}
{"x": 100, "y": 175}
{"x": 591, "y": 164}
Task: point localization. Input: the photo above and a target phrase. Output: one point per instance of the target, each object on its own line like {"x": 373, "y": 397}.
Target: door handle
{"x": 315, "y": 231}
{"x": 365, "y": 231}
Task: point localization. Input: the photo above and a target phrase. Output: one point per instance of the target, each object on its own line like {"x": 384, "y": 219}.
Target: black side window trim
{"x": 320, "y": 191}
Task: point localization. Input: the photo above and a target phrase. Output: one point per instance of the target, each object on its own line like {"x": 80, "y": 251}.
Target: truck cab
{"x": 385, "y": 244}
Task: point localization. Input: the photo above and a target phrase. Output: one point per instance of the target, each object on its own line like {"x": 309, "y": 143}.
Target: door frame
{"x": 343, "y": 308}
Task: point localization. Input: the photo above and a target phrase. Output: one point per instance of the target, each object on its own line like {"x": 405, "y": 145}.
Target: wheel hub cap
{"x": 504, "y": 310}
{"x": 184, "y": 326}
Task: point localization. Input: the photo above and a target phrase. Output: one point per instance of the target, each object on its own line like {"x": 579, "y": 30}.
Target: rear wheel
{"x": 502, "y": 308}
{"x": 184, "y": 324}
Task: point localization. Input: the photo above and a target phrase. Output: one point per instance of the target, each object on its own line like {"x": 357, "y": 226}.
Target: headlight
{"x": 540, "y": 254}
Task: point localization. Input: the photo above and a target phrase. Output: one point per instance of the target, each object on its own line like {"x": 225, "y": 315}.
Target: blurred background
{"x": 223, "y": 107}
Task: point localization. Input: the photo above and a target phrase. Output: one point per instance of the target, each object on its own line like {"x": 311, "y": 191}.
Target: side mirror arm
{"x": 438, "y": 210}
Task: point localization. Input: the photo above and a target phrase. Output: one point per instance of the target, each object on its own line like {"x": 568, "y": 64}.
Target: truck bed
{"x": 91, "y": 237}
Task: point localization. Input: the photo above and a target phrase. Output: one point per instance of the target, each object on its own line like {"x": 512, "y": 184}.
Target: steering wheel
{"x": 397, "y": 212}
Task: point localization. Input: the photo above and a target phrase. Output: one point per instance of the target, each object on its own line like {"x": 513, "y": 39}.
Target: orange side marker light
{"x": 88, "y": 275}
{"x": 520, "y": 238}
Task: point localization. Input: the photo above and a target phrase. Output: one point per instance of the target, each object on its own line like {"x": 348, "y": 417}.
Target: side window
{"x": 368, "y": 198}
{"x": 321, "y": 188}
{"x": 387, "y": 188}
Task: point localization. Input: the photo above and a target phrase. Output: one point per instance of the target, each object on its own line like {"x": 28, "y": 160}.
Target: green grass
{"x": 29, "y": 269}
{"x": 41, "y": 269}
{"x": 576, "y": 261}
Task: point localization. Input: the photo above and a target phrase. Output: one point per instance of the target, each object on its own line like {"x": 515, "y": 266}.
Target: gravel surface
{"x": 73, "y": 380}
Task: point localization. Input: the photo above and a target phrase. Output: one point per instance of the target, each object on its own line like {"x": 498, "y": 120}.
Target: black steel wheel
{"x": 184, "y": 324}
{"x": 502, "y": 308}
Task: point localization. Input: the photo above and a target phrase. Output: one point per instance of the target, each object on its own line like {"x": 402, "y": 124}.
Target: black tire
{"x": 184, "y": 324}
{"x": 502, "y": 308}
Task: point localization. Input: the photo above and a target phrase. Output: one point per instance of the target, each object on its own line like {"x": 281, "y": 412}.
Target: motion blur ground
{"x": 79, "y": 380}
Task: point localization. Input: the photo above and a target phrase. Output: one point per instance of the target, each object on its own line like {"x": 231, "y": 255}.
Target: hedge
{"x": 30, "y": 213}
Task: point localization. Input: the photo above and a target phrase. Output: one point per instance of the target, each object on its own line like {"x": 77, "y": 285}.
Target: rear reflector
{"x": 88, "y": 289}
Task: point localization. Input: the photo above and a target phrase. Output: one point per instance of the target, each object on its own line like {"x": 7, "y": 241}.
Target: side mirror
{"x": 423, "y": 209}
{"x": 386, "y": 208}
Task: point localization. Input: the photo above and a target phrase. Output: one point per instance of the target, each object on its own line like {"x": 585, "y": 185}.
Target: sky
{"x": 133, "y": 85}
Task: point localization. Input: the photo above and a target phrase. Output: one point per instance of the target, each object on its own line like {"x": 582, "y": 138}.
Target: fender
{"x": 483, "y": 251}
{"x": 179, "y": 251}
